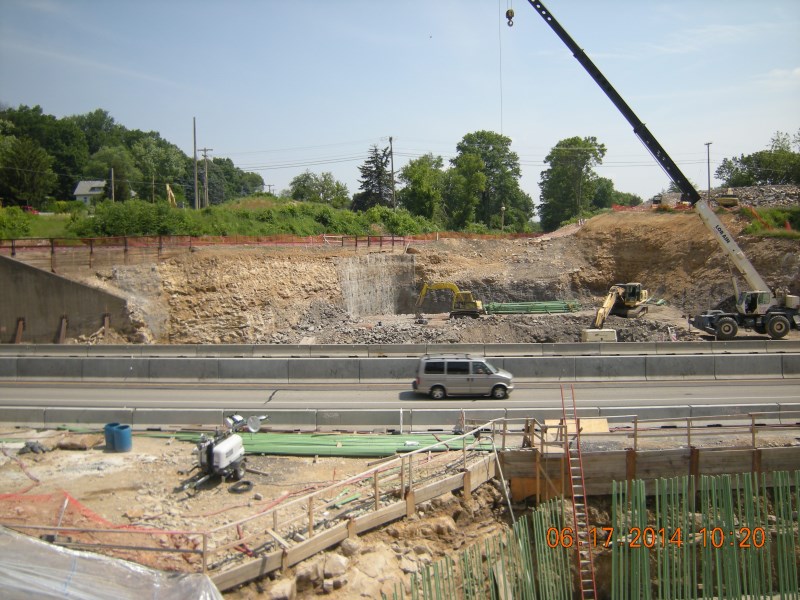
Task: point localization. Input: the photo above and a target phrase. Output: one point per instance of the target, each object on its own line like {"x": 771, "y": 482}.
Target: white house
{"x": 86, "y": 191}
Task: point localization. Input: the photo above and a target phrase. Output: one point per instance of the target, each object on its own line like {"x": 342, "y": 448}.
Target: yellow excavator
{"x": 624, "y": 300}
{"x": 464, "y": 304}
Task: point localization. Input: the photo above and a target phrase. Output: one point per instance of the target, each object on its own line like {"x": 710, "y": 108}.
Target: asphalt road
{"x": 392, "y": 396}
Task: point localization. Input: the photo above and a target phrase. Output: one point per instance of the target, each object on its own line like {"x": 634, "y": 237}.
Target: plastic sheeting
{"x": 30, "y": 568}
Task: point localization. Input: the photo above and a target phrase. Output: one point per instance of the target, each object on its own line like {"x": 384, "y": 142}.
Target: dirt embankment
{"x": 294, "y": 295}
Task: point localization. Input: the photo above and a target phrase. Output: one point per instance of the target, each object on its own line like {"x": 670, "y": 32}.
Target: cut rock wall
{"x": 377, "y": 284}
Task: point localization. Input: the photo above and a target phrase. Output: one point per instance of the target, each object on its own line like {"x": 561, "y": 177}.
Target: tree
{"x": 27, "y": 172}
{"x": 324, "y": 188}
{"x": 376, "y": 181}
{"x": 99, "y": 129}
{"x": 125, "y": 173}
{"x": 424, "y": 180}
{"x": 464, "y": 186}
{"x": 159, "y": 163}
{"x": 502, "y": 171}
{"x": 570, "y": 181}
{"x": 777, "y": 165}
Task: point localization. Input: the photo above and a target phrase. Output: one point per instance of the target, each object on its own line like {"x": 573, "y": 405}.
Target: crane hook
{"x": 510, "y": 17}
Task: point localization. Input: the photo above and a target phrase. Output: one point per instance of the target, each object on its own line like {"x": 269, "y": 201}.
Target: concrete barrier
{"x": 56, "y": 416}
{"x": 783, "y": 346}
{"x": 791, "y": 366}
{"x": 143, "y": 417}
{"x": 283, "y": 418}
{"x": 8, "y": 367}
{"x": 341, "y": 370}
{"x": 407, "y": 350}
{"x": 610, "y": 367}
{"x": 121, "y": 368}
{"x": 474, "y": 349}
{"x": 546, "y": 368}
{"x": 739, "y": 346}
{"x": 381, "y": 369}
{"x": 273, "y": 370}
{"x": 680, "y": 367}
{"x": 668, "y": 348}
{"x": 748, "y": 366}
{"x": 184, "y": 368}
{"x": 358, "y": 419}
{"x": 513, "y": 349}
{"x": 172, "y": 350}
{"x": 22, "y": 415}
{"x": 280, "y": 351}
{"x": 347, "y": 350}
{"x": 646, "y": 412}
{"x": 627, "y": 348}
{"x": 225, "y": 351}
{"x": 714, "y": 410}
{"x": 47, "y": 367}
{"x": 577, "y": 349}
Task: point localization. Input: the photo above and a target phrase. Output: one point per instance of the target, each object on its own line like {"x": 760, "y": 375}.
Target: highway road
{"x": 392, "y": 396}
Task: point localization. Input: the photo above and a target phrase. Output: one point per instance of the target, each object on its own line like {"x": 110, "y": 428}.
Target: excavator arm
{"x": 605, "y": 309}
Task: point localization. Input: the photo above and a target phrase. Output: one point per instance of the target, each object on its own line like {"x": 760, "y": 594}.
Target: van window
{"x": 479, "y": 368}
{"x": 434, "y": 367}
{"x": 458, "y": 367}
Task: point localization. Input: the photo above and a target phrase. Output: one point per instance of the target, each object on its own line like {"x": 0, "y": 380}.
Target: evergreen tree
{"x": 376, "y": 181}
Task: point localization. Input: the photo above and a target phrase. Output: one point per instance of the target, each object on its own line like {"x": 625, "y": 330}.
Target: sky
{"x": 285, "y": 87}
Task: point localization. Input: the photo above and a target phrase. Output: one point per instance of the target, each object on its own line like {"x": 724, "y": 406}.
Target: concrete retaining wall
{"x": 42, "y": 298}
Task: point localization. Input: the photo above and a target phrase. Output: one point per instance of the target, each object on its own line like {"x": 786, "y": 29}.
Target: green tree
{"x": 777, "y": 165}
{"x": 376, "y": 181}
{"x": 569, "y": 183}
{"x": 464, "y": 185}
{"x": 422, "y": 194}
{"x": 14, "y": 223}
{"x": 159, "y": 163}
{"x": 502, "y": 171}
{"x": 27, "y": 172}
{"x": 125, "y": 173}
{"x": 99, "y": 129}
{"x": 324, "y": 188}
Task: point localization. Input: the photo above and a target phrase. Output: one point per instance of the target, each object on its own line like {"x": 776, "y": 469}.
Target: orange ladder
{"x": 572, "y": 450}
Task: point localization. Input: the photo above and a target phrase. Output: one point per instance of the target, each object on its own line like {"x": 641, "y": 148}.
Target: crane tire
{"x": 778, "y": 326}
{"x": 726, "y": 328}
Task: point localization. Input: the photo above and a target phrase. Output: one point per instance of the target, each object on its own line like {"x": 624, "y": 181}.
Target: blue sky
{"x": 284, "y": 87}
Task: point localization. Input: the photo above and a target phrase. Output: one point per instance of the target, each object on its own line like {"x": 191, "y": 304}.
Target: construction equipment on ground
{"x": 728, "y": 199}
{"x": 624, "y": 300}
{"x": 171, "y": 197}
{"x": 759, "y": 308}
{"x": 464, "y": 304}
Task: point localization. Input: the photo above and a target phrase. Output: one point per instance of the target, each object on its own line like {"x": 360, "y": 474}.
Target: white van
{"x": 441, "y": 375}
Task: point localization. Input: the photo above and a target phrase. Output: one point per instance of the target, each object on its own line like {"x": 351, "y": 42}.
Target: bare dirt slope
{"x": 294, "y": 295}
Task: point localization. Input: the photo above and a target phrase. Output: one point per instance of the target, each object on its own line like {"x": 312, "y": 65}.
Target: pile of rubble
{"x": 772, "y": 196}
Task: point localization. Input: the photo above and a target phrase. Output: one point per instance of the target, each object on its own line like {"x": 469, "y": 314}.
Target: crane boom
{"x": 688, "y": 191}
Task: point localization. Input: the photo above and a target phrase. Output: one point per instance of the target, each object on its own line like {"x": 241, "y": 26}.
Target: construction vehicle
{"x": 728, "y": 199}
{"x": 624, "y": 300}
{"x": 464, "y": 304}
{"x": 758, "y": 308}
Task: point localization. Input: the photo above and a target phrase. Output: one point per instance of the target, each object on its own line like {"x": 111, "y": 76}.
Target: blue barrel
{"x": 122, "y": 438}
{"x": 109, "y": 431}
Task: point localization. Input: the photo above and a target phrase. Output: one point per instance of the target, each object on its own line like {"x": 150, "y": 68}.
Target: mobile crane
{"x": 758, "y": 308}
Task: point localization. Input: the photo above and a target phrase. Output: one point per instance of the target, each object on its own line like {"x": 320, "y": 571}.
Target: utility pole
{"x": 205, "y": 152}
{"x": 391, "y": 158}
{"x": 708, "y": 160}
{"x": 270, "y": 186}
{"x": 194, "y": 136}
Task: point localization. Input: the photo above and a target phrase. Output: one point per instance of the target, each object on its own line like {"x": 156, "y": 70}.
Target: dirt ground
{"x": 138, "y": 489}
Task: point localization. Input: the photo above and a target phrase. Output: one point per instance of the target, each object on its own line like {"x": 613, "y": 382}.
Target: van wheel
{"x": 499, "y": 392}
{"x": 437, "y": 392}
